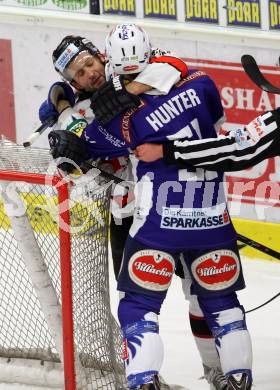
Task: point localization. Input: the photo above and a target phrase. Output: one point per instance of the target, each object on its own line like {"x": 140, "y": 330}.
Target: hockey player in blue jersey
{"x": 179, "y": 213}
{"x": 161, "y": 73}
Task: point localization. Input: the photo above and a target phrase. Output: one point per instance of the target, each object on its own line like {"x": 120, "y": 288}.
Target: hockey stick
{"x": 252, "y": 70}
{"x": 258, "y": 246}
{"x": 263, "y": 304}
{"x": 48, "y": 123}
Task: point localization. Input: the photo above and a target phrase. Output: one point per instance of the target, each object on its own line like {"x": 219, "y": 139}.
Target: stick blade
{"x": 31, "y": 139}
{"x": 252, "y": 70}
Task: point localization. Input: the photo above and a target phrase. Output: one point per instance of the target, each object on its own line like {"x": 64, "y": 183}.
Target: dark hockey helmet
{"x": 68, "y": 49}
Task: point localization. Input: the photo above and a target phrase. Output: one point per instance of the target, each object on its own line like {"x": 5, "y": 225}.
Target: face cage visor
{"x": 74, "y": 55}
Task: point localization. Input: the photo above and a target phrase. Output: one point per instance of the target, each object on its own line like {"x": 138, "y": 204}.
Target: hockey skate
{"x": 149, "y": 386}
{"x": 160, "y": 384}
{"x": 155, "y": 385}
{"x": 166, "y": 386}
{"x": 239, "y": 382}
{"x": 215, "y": 378}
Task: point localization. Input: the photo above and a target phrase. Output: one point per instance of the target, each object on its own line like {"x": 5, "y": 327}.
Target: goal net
{"x": 55, "y": 312}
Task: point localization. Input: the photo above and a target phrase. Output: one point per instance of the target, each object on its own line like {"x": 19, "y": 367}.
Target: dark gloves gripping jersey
{"x": 66, "y": 145}
{"x": 111, "y": 99}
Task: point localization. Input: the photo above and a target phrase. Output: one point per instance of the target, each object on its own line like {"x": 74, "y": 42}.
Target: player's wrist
{"x": 62, "y": 105}
{"x": 136, "y": 88}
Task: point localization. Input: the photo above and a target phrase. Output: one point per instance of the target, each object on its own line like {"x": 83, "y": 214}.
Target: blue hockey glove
{"x": 58, "y": 91}
{"x": 47, "y": 111}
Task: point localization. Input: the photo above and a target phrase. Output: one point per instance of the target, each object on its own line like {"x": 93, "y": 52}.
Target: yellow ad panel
{"x": 202, "y": 11}
{"x": 246, "y": 13}
{"x": 120, "y": 7}
{"x": 165, "y": 9}
{"x": 265, "y": 233}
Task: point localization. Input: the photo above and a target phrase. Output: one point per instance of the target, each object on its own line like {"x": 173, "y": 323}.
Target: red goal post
{"x": 55, "y": 303}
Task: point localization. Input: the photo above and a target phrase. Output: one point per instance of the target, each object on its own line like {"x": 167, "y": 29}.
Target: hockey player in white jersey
{"x": 160, "y": 73}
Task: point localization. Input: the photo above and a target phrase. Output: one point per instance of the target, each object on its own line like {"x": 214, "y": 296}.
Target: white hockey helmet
{"x": 128, "y": 48}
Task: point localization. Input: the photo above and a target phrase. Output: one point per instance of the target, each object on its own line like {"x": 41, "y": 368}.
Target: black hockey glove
{"x": 66, "y": 145}
{"x": 111, "y": 99}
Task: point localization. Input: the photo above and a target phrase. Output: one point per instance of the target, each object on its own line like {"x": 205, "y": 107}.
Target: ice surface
{"x": 182, "y": 363}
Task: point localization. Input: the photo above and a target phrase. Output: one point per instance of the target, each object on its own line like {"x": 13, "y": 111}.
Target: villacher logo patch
{"x": 151, "y": 269}
{"x": 216, "y": 270}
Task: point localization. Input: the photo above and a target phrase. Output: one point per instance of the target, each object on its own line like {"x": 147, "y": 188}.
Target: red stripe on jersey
{"x": 177, "y": 63}
{"x": 115, "y": 164}
{"x": 191, "y": 77}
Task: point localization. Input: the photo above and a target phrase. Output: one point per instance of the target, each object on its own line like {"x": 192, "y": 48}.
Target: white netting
{"x": 17, "y": 158}
{"x": 24, "y": 332}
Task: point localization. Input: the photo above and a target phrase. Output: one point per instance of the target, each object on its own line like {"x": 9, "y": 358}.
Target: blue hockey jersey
{"x": 175, "y": 209}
